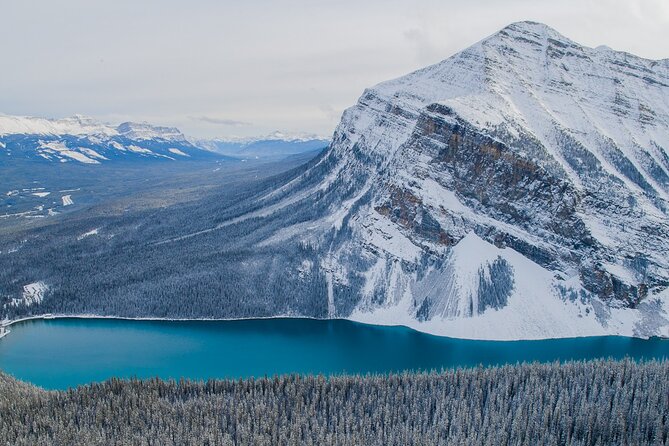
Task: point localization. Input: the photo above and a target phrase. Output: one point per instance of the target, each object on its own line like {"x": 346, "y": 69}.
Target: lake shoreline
{"x": 7, "y": 323}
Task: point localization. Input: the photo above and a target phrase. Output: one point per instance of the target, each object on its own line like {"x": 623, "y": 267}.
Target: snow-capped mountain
{"x": 275, "y": 145}
{"x": 517, "y": 189}
{"x": 83, "y": 140}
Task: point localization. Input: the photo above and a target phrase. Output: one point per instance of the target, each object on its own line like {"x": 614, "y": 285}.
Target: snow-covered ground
{"x": 33, "y": 294}
{"x": 178, "y": 152}
{"x": 533, "y": 311}
{"x": 88, "y": 234}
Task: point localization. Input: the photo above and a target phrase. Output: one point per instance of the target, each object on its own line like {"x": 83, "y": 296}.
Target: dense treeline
{"x": 584, "y": 403}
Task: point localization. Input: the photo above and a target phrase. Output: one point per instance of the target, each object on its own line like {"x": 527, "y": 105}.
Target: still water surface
{"x": 60, "y": 353}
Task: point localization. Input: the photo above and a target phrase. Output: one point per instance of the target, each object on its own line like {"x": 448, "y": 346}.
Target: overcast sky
{"x": 248, "y": 67}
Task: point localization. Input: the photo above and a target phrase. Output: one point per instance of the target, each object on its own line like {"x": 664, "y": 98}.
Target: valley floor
{"x": 582, "y": 403}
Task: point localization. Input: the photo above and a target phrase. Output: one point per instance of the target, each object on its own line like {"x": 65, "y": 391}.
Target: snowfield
{"x": 534, "y": 310}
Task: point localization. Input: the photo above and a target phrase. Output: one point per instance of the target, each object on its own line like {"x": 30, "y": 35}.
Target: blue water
{"x": 61, "y": 353}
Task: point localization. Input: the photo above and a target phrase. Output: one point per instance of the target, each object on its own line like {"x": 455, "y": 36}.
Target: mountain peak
{"x": 527, "y": 33}
{"x": 528, "y": 26}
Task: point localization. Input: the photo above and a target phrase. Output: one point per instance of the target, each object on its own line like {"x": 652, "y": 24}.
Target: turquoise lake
{"x": 60, "y": 353}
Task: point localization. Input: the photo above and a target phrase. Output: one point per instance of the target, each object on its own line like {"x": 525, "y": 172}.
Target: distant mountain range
{"x": 84, "y": 140}
{"x": 273, "y": 146}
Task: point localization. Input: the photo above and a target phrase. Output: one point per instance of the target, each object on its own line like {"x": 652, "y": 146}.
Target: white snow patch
{"x": 373, "y": 277}
{"x": 41, "y": 194}
{"x": 304, "y": 269}
{"x": 117, "y": 146}
{"x": 331, "y": 307}
{"x": 138, "y": 149}
{"x": 434, "y": 193}
{"x": 178, "y": 152}
{"x": 33, "y": 294}
{"x": 621, "y": 272}
{"x": 92, "y": 153}
{"x": 58, "y": 149}
{"x": 67, "y": 200}
{"x": 88, "y": 234}
{"x": 19, "y": 214}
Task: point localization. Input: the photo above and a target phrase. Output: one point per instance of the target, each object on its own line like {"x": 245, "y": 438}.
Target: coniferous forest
{"x": 579, "y": 403}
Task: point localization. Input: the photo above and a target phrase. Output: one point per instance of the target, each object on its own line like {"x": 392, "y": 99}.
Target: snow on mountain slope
{"x": 515, "y": 190}
{"x": 528, "y": 307}
{"x": 84, "y": 140}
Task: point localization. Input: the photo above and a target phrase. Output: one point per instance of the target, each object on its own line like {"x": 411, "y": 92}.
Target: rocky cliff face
{"x": 515, "y": 190}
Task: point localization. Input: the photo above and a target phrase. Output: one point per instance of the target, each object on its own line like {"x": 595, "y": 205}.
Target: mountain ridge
{"x": 272, "y": 146}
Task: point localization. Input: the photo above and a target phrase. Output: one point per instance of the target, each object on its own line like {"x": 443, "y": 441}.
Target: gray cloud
{"x": 426, "y": 50}
{"x": 220, "y": 121}
{"x": 330, "y": 112}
